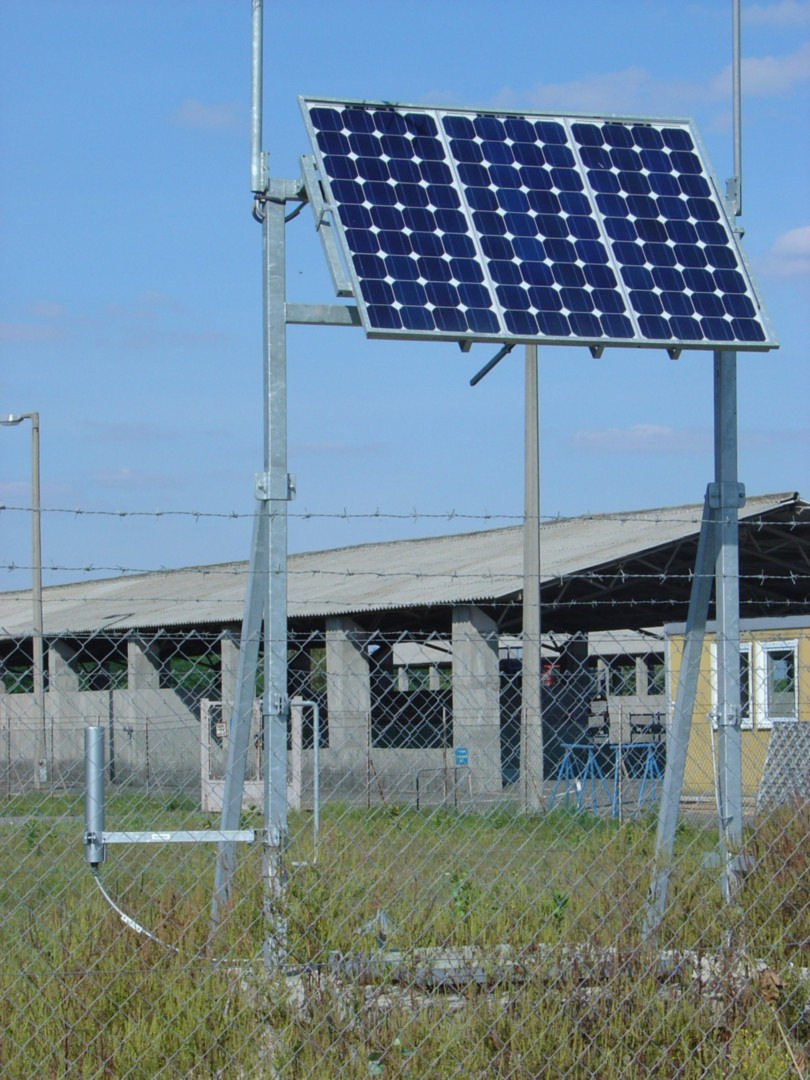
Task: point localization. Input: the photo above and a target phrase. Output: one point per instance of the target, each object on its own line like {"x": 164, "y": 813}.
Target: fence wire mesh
{"x": 440, "y": 919}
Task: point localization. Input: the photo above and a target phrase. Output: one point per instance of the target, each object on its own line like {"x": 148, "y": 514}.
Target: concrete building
{"x": 412, "y": 649}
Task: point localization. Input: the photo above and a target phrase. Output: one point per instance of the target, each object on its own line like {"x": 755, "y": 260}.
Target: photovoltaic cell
{"x": 476, "y": 225}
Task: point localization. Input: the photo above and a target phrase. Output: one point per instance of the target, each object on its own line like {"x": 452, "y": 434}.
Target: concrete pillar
{"x": 228, "y": 668}
{"x": 143, "y": 665}
{"x": 348, "y": 688}
{"x": 476, "y": 695}
{"x": 61, "y": 673}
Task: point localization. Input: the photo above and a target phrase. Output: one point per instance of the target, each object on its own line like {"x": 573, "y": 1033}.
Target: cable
{"x": 127, "y": 920}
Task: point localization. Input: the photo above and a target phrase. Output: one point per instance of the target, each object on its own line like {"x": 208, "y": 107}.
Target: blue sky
{"x": 130, "y": 310}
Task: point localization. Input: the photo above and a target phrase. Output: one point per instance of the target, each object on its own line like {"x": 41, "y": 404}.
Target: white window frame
{"x": 762, "y": 652}
{"x": 758, "y": 717}
{"x": 747, "y": 719}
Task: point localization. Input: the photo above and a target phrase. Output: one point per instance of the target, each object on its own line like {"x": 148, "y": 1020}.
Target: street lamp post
{"x": 12, "y": 420}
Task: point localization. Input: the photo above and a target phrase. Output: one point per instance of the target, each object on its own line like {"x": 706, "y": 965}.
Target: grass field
{"x": 560, "y": 895}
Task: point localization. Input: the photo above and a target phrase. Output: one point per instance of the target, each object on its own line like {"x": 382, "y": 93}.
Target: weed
{"x": 553, "y": 905}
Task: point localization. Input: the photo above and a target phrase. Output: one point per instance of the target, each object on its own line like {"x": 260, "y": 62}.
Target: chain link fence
{"x": 437, "y": 920}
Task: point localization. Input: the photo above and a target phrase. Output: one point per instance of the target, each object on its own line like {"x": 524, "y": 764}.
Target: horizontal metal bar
{"x": 181, "y": 836}
{"x": 323, "y": 314}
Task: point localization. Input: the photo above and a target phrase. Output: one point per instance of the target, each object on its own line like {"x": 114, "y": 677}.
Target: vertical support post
{"x": 727, "y": 497}
{"x": 46, "y": 760}
{"x": 718, "y": 558}
{"x": 41, "y": 766}
{"x": 678, "y": 735}
{"x": 297, "y": 705}
{"x": 316, "y": 774}
{"x": 241, "y": 716}
{"x": 275, "y": 707}
{"x": 94, "y": 849}
{"x": 531, "y": 750}
{"x": 296, "y": 779}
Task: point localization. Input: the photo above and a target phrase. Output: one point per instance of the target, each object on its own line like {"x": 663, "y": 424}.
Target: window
{"x": 767, "y": 682}
{"x": 656, "y": 674}
{"x": 622, "y": 676}
{"x": 411, "y": 705}
{"x": 745, "y": 685}
{"x": 777, "y": 681}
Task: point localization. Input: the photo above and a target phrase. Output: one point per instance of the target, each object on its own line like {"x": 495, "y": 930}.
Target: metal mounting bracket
{"x": 726, "y": 494}
{"x": 323, "y": 226}
{"x": 276, "y": 484}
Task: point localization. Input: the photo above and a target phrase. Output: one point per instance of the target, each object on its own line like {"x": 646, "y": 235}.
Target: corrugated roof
{"x": 481, "y": 566}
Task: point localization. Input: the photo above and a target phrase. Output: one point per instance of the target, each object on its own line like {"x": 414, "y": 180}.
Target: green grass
{"x": 83, "y": 995}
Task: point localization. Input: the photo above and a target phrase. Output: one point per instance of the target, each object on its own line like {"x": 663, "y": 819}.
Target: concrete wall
{"x": 151, "y": 737}
{"x": 156, "y": 739}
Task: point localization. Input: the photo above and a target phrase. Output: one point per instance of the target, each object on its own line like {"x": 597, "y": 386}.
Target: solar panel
{"x": 476, "y": 225}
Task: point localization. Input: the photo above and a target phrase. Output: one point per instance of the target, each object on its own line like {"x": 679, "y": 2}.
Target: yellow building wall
{"x": 698, "y": 774}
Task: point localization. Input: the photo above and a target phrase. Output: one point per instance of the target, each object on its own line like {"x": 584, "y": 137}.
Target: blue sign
{"x": 462, "y": 756}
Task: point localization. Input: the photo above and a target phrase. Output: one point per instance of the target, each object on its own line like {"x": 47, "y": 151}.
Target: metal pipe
{"x": 94, "y": 849}
{"x": 316, "y": 766}
{"x": 241, "y": 716}
{"x": 38, "y": 645}
{"x": 531, "y": 757}
{"x": 736, "y": 68}
{"x": 41, "y": 771}
{"x": 257, "y": 178}
{"x": 275, "y": 706}
{"x": 316, "y": 774}
{"x": 496, "y": 359}
{"x": 678, "y": 736}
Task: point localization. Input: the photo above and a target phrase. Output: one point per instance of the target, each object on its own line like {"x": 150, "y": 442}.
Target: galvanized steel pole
{"x": 728, "y": 497}
{"x": 94, "y": 850}
{"x": 531, "y": 750}
{"x": 275, "y": 706}
{"x": 257, "y": 178}
{"x": 736, "y": 68}
{"x": 42, "y": 769}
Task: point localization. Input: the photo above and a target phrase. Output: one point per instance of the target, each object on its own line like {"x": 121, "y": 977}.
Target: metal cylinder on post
{"x": 94, "y": 848}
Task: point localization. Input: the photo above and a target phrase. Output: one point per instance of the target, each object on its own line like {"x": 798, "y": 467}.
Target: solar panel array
{"x": 479, "y": 226}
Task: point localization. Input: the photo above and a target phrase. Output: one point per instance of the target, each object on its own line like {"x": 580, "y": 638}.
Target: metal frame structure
{"x": 265, "y": 615}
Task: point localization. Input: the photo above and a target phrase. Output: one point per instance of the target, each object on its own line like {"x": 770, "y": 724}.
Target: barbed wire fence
{"x": 435, "y": 923}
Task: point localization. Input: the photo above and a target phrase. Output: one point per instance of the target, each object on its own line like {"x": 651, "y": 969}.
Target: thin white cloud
{"x": 13, "y": 489}
{"x": 788, "y": 256}
{"x": 193, "y": 113}
{"x": 615, "y": 91}
{"x": 767, "y": 76}
{"x": 636, "y": 91}
{"x": 785, "y": 14}
{"x": 152, "y": 319}
{"x": 338, "y": 449}
{"x": 46, "y": 310}
{"x": 21, "y": 333}
{"x": 129, "y": 479}
{"x": 145, "y": 307}
{"x": 130, "y": 434}
{"x": 661, "y": 440}
{"x": 644, "y": 439}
